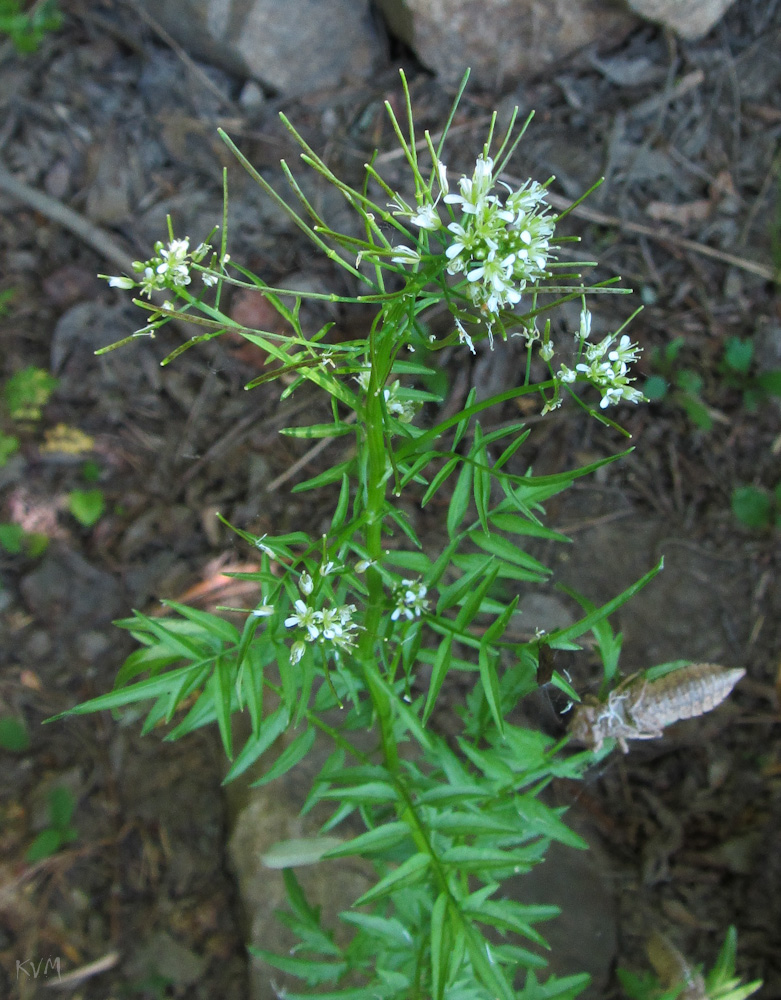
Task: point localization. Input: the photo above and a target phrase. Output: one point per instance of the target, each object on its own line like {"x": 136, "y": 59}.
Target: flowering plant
{"x": 370, "y": 618}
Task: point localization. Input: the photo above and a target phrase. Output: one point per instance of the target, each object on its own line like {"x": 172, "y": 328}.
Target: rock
{"x": 501, "y": 41}
{"x": 691, "y": 19}
{"x": 279, "y": 44}
{"x": 66, "y": 589}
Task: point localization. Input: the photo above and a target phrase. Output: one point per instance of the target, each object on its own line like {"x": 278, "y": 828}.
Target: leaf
{"x": 61, "y": 806}
{"x": 439, "y": 952}
{"x": 752, "y": 506}
{"x": 221, "y": 685}
{"x": 490, "y": 682}
{"x": 211, "y": 624}
{"x": 47, "y": 842}
{"x": 439, "y": 479}
{"x": 318, "y": 431}
{"x": 289, "y": 757}
{"x": 332, "y": 475}
{"x": 27, "y": 392}
{"x": 411, "y": 872}
{"x": 13, "y": 734}
{"x": 505, "y": 550}
{"x": 375, "y": 841}
{"x": 272, "y": 727}
{"x": 607, "y": 609}
{"x": 438, "y": 674}
{"x": 87, "y": 506}
{"x": 298, "y": 853}
{"x": 482, "y": 478}
{"x": 11, "y": 538}
{"x": 312, "y": 971}
{"x": 459, "y": 502}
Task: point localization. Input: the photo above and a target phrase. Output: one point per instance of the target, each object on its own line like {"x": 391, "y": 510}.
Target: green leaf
{"x": 142, "y": 691}
{"x": 504, "y": 549}
{"x": 375, "y": 841}
{"x": 298, "y": 853}
{"x": 655, "y": 388}
{"x": 87, "y": 506}
{"x": 490, "y": 681}
{"x": 607, "y": 609}
{"x": 340, "y": 513}
{"x": 738, "y": 355}
{"x": 13, "y": 734}
{"x": 312, "y": 971}
{"x": 752, "y": 506}
{"x": 271, "y": 727}
{"x": 771, "y": 382}
{"x": 388, "y": 929}
{"x": 459, "y": 502}
{"x": 463, "y": 423}
{"x": 47, "y": 843}
{"x": 440, "y": 956}
{"x": 411, "y": 872}
{"x": 482, "y": 478}
{"x": 27, "y": 392}
{"x": 11, "y": 538}
{"x": 373, "y": 792}
{"x": 61, "y": 806}
{"x": 438, "y": 674}
{"x": 9, "y": 445}
{"x": 319, "y": 431}
{"x": 212, "y": 625}
{"x": 332, "y": 475}
{"x": 290, "y": 756}
{"x": 439, "y": 479}
{"x": 221, "y": 685}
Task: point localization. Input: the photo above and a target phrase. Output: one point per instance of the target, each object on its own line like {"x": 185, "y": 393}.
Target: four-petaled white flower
{"x": 410, "y": 600}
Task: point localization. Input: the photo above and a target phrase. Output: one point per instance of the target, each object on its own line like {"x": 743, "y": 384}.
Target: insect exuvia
{"x": 640, "y": 708}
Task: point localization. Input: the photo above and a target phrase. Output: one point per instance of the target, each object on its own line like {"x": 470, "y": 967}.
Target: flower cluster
{"x": 410, "y": 600}
{"x": 500, "y": 243}
{"x": 168, "y": 268}
{"x": 403, "y": 409}
{"x": 334, "y": 624}
{"x": 606, "y": 365}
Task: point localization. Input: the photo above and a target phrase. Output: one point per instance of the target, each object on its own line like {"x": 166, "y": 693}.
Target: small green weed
{"x": 27, "y": 30}
{"x": 59, "y": 832}
{"x": 13, "y": 734}
{"x": 677, "y": 979}
{"x": 15, "y": 540}
{"x": 27, "y": 392}
{"x": 756, "y": 507}
{"x": 87, "y": 506}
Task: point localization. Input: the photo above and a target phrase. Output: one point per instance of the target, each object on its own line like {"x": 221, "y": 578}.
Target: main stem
{"x": 372, "y": 426}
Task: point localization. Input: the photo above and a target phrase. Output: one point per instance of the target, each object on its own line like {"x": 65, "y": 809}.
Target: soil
{"x": 110, "y": 123}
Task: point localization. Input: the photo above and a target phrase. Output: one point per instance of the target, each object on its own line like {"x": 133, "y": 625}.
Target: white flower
{"x": 263, "y": 611}
{"x": 463, "y": 336}
{"x": 297, "y": 650}
{"x": 410, "y": 600}
{"x": 427, "y": 217}
{"x": 306, "y": 618}
{"x": 326, "y": 568}
{"x": 546, "y": 351}
{"x": 209, "y": 278}
{"x": 305, "y": 584}
{"x": 120, "y": 282}
{"x": 363, "y": 564}
{"x": 585, "y": 325}
{"x": 405, "y": 255}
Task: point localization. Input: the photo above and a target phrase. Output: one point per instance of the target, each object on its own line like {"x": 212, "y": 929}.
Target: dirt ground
{"x": 109, "y": 123}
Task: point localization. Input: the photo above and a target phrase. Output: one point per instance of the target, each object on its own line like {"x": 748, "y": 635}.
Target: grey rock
{"x": 67, "y": 591}
{"x": 292, "y": 47}
{"x": 690, "y": 19}
{"x": 502, "y": 42}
